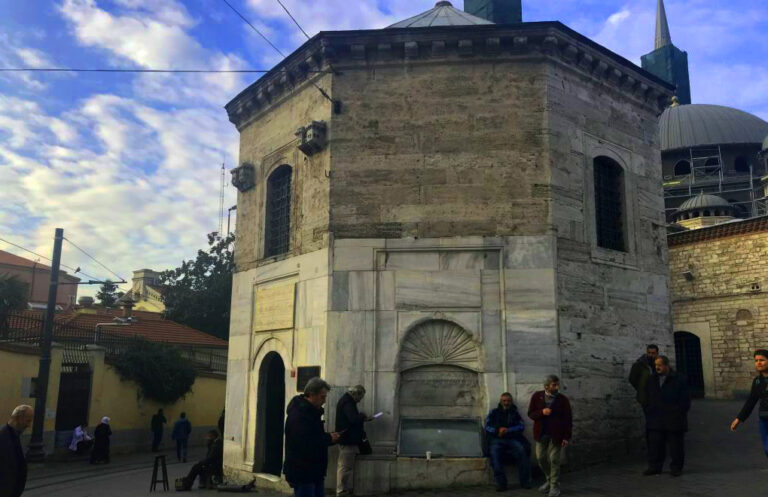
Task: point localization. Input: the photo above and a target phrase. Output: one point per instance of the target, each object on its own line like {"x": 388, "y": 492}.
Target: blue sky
{"x": 129, "y": 164}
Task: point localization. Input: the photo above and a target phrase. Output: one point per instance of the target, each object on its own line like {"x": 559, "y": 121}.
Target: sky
{"x": 129, "y": 164}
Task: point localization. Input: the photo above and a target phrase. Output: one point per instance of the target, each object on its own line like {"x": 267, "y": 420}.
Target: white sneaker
{"x": 544, "y": 488}
{"x": 554, "y": 491}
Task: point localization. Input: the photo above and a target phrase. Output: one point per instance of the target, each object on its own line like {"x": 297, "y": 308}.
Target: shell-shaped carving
{"x": 439, "y": 342}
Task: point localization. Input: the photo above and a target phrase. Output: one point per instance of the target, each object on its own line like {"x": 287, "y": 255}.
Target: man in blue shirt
{"x": 504, "y": 427}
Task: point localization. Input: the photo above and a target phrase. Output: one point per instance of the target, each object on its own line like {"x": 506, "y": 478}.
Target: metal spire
{"x": 663, "y": 38}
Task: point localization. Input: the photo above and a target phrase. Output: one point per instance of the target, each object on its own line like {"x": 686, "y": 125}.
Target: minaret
{"x": 663, "y": 38}
{"x": 667, "y": 61}
{"x": 498, "y": 11}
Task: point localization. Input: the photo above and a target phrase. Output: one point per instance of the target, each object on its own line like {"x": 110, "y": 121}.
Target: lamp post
{"x": 36, "y": 451}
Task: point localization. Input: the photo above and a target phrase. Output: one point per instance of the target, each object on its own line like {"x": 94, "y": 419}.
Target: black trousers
{"x": 658, "y": 441}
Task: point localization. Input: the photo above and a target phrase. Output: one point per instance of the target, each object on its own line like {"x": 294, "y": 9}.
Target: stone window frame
{"x": 595, "y": 147}
{"x": 266, "y": 173}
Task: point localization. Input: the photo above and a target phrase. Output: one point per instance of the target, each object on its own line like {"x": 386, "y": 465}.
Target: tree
{"x": 13, "y": 297}
{"x": 13, "y": 294}
{"x": 107, "y": 295}
{"x": 198, "y": 292}
{"x": 159, "y": 370}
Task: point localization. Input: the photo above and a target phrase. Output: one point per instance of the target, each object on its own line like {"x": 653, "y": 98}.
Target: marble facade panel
{"x": 493, "y": 352}
{"x": 385, "y": 292}
{"x": 361, "y": 291}
{"x": 462, "y": 261}
{"x": 417, "y": 261}
{"x": 353, "y": 258}
{"x": 386, "y": 340}
{"x": 529, "y": 252}
{"x": 311, "y": 302}
{"x": 239, "y": 348}
{"x": 490, "y": 282}
{"x": 445, "y": 289}
{"x": 349, "y": 346}
{"x": 530, "y": 289}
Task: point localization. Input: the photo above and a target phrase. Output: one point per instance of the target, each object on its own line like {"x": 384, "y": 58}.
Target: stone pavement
{"x": 719, "y": 464}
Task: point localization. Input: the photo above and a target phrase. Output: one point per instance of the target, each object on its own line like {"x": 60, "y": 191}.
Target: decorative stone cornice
{"x": 337, "y": 51}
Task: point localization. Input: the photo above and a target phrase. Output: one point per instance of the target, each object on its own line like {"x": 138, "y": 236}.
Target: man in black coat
{"x": 306, "y": 442}
{"x": 667, "y": 418}
{"x": 13, "y": 466}
{"x": 349, "y": 426}
{"x": 209, "y": 467}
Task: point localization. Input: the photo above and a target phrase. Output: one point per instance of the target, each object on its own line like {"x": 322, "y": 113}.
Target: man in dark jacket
{"x": 758, "y": 393}
{"x": 504, "y": 427}
{"x": 349, "y": 426}
{"x": 306, "y": 442}
{"x": 209, "y": 467}
{"x": 156, "y": 424}
{"x": 667, "y": 418}
{"x": 552, "y": 428}
{"x": 641, "y": 370}
{"x": 13, "y": 466}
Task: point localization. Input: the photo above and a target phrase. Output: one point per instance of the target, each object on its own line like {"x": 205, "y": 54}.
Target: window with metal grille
{"x": 278, "y": 215}
{"x": 609, "y": 204}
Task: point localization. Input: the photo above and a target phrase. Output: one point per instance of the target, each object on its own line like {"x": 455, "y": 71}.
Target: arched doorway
{"x": 270, "y": 415}
{"x": 688, "y": 355}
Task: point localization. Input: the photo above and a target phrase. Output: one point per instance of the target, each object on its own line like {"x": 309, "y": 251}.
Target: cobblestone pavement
{"x": 719, "y": 464}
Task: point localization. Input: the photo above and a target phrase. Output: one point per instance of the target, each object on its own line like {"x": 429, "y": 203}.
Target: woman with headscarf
{"x": 100, "y": 452}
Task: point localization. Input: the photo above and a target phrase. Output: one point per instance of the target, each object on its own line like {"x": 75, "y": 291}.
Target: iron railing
{"x": 28, "y": 329}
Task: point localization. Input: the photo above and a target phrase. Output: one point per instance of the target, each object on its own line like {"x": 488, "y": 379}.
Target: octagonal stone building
{"x": 442, "y": 211}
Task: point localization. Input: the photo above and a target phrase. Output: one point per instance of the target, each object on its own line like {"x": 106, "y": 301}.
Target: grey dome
{"x": 688, "y": 126}
{"x": 443, "y": 14}
{"x": 703, "y": 201}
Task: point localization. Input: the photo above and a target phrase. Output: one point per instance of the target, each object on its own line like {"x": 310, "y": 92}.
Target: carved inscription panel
{"x": 274, "y": 306}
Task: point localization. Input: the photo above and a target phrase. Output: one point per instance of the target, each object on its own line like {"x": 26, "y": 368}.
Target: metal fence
{"x": 28, "y": 329}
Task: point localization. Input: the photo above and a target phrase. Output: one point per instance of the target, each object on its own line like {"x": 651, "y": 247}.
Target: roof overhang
{"x": 328, "y": 51}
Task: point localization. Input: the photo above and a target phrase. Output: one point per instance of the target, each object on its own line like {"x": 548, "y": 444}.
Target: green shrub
{"x": 160, "y": 371}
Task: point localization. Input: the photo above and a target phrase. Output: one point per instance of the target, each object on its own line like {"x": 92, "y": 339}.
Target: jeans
{"x": 514, "y": 450}
{"x": 659, "y": 440}
{"x": 316, "y": 489}
{"x": 548, "y": 454}
{"x": 764, "y": 434}
{"x": 181, "y": 449}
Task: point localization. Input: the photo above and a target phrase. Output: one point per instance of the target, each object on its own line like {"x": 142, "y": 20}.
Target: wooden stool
{"x": 164, "y": 480}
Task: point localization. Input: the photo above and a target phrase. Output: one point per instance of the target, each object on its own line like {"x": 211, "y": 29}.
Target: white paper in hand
{"x": 378, "y": 415}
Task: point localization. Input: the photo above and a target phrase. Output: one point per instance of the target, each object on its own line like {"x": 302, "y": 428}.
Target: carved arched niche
{"x": 439, "y": 367}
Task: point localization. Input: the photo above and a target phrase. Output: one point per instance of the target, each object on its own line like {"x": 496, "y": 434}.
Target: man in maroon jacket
{"x": 553, "y": 424}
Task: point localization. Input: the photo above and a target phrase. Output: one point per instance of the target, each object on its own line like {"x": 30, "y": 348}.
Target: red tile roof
{"x": 153, "y": 329}
{"x": 733, "y": 228}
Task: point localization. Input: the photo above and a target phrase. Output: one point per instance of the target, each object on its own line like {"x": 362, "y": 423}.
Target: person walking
{"x": 13, "y": 469}
{"x": 182, "y": 428}
{"x": 156, "y": 424}
{"x": 100, "y": 452}
{"x": 504, "y": 427}
{"x": 552, "y": 430}
{"x": 349, "y": 426}
{"x": 758, "y": 393}
{"x": 210, "y": 467}
{"x": 668, "y": 406}
{"x": 306, "y": 442}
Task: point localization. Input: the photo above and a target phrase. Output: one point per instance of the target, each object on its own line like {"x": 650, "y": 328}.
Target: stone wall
{"x": 610, "y": 304}
{"x": 268, "y": 141}
{"x": 431, "y": 150}
{"x": 724, "y": 304}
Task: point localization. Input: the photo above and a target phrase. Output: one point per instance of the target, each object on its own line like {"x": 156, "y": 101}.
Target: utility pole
{"x": 36, "y": 451}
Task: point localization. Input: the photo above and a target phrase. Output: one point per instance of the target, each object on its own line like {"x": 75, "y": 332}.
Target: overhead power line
{"x": 47, "y": 258}
{"x": 253, "y": 27}
{"x": 293, "y": 18}
{"x": 157, "y": 71}
{"x": 95, "y": 260}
